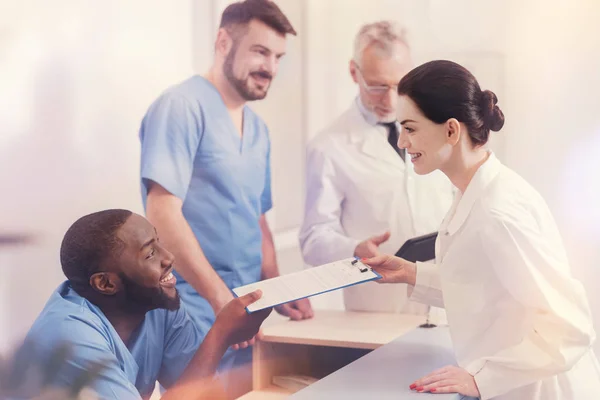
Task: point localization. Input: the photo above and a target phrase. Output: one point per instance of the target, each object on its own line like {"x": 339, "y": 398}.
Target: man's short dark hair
{"x": 266, "y": 11}
{"x": 88, "y": 243}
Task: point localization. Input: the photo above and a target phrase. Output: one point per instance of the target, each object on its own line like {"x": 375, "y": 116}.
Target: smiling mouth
{"x": 414, "y": 156}
{"x": 261, "y": 77}
{"x": 168, "y": 278}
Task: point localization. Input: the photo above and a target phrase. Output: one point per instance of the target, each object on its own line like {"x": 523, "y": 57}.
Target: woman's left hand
{"x": 450, "y": 379}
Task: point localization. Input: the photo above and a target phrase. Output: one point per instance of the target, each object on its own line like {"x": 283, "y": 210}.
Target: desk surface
{"x": 341, "y": 329}
{"x": 387, "y": 372}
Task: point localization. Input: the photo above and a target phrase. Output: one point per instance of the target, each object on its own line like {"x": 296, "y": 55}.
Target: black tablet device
{"x": 420, "y": 248}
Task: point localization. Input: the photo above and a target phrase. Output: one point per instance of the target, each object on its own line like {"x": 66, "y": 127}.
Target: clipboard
{"x": 420, "y": 248}
{"x": 307, "y": 283}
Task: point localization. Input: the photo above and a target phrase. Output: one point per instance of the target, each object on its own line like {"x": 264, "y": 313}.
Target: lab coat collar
{"x": 482, "y": 178}
{"x": 364, "y": 134}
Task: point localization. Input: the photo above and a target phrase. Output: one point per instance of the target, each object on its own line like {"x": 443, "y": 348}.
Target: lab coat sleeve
{"x": 170, "y": 135}
{"x": 428, "y": 288}
{"x": 182, "y": 340}
{"x": 531, "y": 265}
{"x": 322, "y": 237}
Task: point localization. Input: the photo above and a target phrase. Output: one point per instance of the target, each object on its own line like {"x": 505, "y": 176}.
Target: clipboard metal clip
{"x": 362, "y": 267}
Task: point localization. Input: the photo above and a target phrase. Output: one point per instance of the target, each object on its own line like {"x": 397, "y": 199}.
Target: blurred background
{"x": 77, "y": 76}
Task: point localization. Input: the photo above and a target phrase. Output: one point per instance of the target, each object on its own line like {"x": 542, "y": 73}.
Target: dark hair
{"x": 443, "y": 90}
{"x": 266, "y": 11}
{"x": 88, "y": 243}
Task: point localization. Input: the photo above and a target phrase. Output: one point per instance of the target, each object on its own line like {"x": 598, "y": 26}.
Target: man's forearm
{"x": 269, "y": 270}
{"x": 190, "y": 262}
{"x": 269, "y": 263}
{"x": 197, "y": 379}
{"x": 269, "y": 267}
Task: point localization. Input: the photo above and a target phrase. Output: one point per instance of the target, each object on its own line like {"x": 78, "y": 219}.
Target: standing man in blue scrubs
{"x": 205, "y": 168}
{"x": 120, "y": 308}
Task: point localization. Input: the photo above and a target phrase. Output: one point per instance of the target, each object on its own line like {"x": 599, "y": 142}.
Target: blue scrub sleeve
{"x": 182, "y": 340}
{"x": 266, "y": 201}
{"x": 90, "y": 345}
{"x": 170, "y": 135}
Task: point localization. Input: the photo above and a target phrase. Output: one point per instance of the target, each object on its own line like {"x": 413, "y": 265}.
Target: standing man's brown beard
{"x": 241, "y": 85}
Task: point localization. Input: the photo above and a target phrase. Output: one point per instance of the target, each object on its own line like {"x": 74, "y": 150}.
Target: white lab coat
{"x": 357, "y": 187}
{"x": 520, "y": 323}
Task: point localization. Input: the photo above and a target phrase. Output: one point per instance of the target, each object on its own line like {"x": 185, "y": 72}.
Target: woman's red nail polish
{"x": 413, "y": 386}
{"x": 433, "y": 390}
{"x": 420, "y": 389}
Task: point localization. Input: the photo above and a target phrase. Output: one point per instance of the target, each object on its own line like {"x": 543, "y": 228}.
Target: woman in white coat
{"x": 519, "y": 321}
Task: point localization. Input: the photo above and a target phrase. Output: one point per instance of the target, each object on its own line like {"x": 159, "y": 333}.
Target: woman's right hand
{"x": 393, "y": 269}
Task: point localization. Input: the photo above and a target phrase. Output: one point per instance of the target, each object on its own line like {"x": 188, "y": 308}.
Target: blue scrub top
{"x": 191, "y": 147}
{"x": 160, "y": 349}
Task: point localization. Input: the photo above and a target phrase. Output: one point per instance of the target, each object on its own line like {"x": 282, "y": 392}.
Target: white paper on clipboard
{"x": 309, "y": 282}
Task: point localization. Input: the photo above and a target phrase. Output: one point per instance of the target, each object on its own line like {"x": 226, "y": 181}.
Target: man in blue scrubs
{"x": 120, "y": 307}
{"x": 205, "y": 168}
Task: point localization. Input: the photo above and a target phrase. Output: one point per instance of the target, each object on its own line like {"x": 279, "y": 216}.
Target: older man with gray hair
{"x": 363, "y": 197}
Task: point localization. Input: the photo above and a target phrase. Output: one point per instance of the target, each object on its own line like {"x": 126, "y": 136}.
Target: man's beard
{"x": 388, "y": 118}
{"x": 139, "y": 298}
{"x": 241, "y": 85}
{"x": 372, "y": 107}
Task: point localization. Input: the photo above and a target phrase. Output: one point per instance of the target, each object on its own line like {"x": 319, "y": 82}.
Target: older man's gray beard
{"x": 241, "y": 85}
{"x": 388, "y": 118}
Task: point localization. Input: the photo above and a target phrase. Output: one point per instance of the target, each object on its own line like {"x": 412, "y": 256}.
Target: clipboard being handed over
{"x": 420, "y": 248}
{"x": 307, "y": 283}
